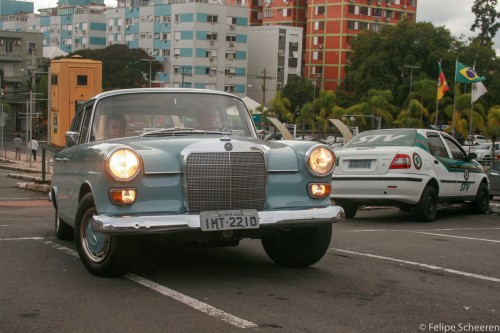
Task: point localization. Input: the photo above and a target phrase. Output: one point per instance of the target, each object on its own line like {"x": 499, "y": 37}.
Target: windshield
{"x": 383, "y": 138}
{"x": 169, "y": 114}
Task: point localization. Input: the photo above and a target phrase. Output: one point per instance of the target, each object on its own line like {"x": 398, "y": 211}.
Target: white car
{"x": 414, "y": 169}
{"x": 473, "y": 140}
{"x": 483, "y": 152}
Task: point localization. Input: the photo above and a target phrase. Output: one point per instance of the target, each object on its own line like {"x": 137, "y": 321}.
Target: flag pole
{"x": 471, "y": 109}
{"x": 437, "y": 98}
{"x": 454, "y": 101}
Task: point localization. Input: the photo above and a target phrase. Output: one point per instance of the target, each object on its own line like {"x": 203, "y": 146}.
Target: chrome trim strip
{"x": 184, "y": 222}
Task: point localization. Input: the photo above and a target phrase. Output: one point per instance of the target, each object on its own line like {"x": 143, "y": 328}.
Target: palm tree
{"x": 324, "y": 106}
{"x": 493, "y": 126}
{"x": 412, "y": 117}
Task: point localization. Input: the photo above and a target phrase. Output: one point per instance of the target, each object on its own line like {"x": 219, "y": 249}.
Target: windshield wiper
{"x": 171, "y": 130}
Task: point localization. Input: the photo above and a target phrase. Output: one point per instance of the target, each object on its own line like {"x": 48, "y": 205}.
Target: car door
{"x": 441, "y": 161}
{"x": 68, "y": 168}
{"x": 494, "y": 177}
{"x": 468, "y": 173}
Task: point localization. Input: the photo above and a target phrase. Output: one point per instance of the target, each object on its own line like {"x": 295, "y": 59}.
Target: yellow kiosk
{"x": 72, "y": 82}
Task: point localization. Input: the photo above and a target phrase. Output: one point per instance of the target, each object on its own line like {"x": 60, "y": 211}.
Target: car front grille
{"x": 227, "y": 180}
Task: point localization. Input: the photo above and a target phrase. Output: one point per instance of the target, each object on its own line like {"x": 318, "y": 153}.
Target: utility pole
{"x": 411, "y": 75}
{"x": 264, "y": 77}
{"x": 185, "y": 71}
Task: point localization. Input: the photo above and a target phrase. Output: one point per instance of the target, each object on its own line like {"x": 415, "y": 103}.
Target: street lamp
{"x": 150, "y": 61}
{"x": 411, "y": 75}
{"x": 352, "y": 117}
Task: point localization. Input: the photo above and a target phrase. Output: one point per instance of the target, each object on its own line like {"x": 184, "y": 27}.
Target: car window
{"x": 141, "y": 113}
{"x": 86, "y": 123}
{"x": 456, "y": 151}
{"x": 436, "y": 145}
{"x": 495, "y": 166}
{"x": 383, "y": 138}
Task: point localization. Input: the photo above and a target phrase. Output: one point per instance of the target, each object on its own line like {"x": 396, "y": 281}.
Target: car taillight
{"x": 401, "y": 161}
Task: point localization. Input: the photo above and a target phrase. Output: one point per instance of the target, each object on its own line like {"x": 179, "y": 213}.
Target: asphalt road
{"x": 384, "y": 272}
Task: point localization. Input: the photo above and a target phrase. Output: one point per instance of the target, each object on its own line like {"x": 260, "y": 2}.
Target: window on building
{"x": 353, "y": 25}
{"x": 211, "y": 36}
{"x": 364, "y": 11}
{"x": 165, "y": 36}
{"x": 177, "y": 35}
{"x": 9, "y": 47}
{"x": 229, "y": 88}
{"x": 229, "y": 71}
{"x": 230, "y": 38}
{"x": 319, "y": 25}
{"x": 363, "y": 25}
{"x": 230, "y": 55}
{"x": 268, "y": 12}
{"x": 318, "y": 40}
{"x": 212, "y": 18}
{"x": 53, "y": 79}
{"x": 320, "y": 10}
{"x": 81, "y": 80}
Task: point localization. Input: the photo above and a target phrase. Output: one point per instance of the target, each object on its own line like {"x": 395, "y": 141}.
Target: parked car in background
{"x": 187, "y": 164}
{"x": 494, "y": 177}
{"x": 473, "y": 140}
{"x": 414, "y": 169}
{"x": 484, "y": 152}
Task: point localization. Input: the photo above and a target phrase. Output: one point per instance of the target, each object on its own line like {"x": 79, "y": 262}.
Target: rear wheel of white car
{"x": 482, "y": 203}
{"x": 103, "y": 255}
{"x": 298, "y": 247}
{"x": 350, "y": 209}
{"x": 426, "y": 209}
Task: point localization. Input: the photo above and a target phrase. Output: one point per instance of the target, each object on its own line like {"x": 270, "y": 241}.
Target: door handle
{"x": 436, "y": 162}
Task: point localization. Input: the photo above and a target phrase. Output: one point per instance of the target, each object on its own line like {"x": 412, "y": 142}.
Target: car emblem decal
{"x": 228, "y": 146}
{"x": 417, "y": 160}
{"x": 466, "y": 174}
{"x": 226, "y": 130}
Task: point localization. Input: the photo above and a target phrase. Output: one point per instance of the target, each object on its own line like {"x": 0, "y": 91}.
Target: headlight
{"x": 123, "y": 164}
{"x": 320, "y": 160}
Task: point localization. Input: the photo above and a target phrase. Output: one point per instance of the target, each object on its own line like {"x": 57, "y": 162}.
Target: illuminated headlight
{"x": 320, "y": 160}
{"x": 123, "y": 164}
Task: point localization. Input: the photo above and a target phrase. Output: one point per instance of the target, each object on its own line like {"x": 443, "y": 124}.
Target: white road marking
{"x": 194, "y": 303}
{"x": 461, "y": 237}
{"x": 437, "y": 268}
{"x": 21, "y": 238}
{"x": 189, "y": 301}
{"x": 401, "y": 230}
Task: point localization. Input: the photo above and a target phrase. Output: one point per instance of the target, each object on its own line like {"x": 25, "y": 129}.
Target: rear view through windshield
{"x": 383, "y": 138}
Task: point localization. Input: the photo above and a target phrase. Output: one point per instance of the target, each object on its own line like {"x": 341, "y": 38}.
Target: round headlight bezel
{"x": 310, "y": 154}
{"x": 109, "y": 161}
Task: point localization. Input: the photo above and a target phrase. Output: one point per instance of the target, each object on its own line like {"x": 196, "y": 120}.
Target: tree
{"x": 412, "y": 116}
{"x": 324, "y": 109}
{"x": 487, "y": 20}
{"x": 298, "y": 91}
{"x": 493, "y": 126}
{"x": 122, "y": 67}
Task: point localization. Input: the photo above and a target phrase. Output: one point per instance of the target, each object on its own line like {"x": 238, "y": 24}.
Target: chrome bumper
{"x": 173, "y": 223}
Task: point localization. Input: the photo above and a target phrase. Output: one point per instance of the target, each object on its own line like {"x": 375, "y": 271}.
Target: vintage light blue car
{"x": 187, "y": 163}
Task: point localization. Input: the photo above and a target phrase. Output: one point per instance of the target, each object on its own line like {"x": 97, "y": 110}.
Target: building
{"x": 329, "y": 27}
{"x": 20, "y": 56}
{"x": 268, "y": 71}
{"x": 71, "y": 28}
{"x": 201, "y": 45}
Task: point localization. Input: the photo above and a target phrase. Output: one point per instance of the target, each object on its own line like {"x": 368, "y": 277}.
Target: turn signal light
{"x": 319, "y": 191}
{"x": 122, "y": 196}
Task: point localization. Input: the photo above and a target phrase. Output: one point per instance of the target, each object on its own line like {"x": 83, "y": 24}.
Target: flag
{"x": 442, "y": 85}
{"x": 466, "y": 74}
{"x": 478, "y": 90}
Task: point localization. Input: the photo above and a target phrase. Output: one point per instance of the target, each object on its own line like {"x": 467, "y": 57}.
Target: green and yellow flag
{"x": 466, "y": 74}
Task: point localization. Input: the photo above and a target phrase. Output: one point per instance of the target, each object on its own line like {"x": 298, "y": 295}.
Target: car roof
{"x": 158, "y": 90}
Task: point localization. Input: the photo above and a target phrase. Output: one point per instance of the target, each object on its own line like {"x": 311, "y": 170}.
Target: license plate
{"x": 229, "y": 219}
{"x": 360, "y": 164}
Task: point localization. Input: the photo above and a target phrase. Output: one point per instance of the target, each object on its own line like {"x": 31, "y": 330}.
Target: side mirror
{"x": 72, "y": 138}
{"x": 471, "y": 156}
{"x": 261, "y": 134}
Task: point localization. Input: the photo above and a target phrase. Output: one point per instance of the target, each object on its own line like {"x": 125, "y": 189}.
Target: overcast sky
{"x": 455, "y": 15}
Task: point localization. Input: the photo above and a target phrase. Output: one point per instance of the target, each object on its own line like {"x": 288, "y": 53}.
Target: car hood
{"x": 166, "y": 154}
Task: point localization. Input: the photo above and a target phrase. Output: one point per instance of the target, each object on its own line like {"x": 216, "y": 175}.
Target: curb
{"x": 35, "y": 187}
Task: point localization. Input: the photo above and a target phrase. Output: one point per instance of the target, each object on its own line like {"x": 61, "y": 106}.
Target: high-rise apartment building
{"x": 329, "y": 27}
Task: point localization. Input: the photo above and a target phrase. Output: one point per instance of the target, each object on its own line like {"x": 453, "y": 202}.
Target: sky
{"x": 455, "y": 15}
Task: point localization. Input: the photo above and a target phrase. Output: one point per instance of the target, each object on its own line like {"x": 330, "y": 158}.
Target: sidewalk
{"x": 28, "y": 171}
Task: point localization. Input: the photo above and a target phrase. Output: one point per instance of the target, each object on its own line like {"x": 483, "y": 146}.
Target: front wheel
{"x": 103, "y": 255}
{"x": 482, "y": 203}
{"x": 298, "y": 247}
{"x": 426, "y": 209}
